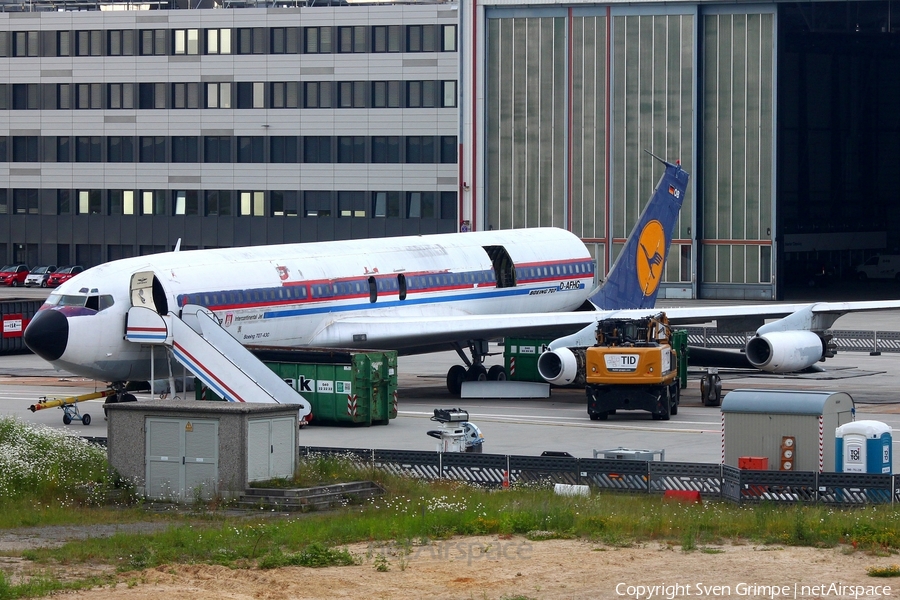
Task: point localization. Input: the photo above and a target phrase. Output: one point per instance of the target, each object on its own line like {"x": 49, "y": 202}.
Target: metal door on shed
{"x": 182, "y": 457}
{"x": 272, "y": 448}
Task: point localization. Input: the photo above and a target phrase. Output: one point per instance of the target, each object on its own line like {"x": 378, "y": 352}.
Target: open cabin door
{"x": 146, "y": 291}
{"x": 504, "y": 268}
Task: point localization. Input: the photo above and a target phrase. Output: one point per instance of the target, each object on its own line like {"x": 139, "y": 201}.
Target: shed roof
{"x": 786, "y": 402}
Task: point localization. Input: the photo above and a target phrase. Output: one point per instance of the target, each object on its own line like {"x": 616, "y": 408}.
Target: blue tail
{"x": 633, "y": 281}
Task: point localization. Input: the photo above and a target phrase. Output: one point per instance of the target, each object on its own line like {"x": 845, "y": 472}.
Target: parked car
{"x": 63, "y": 275}
{"x": 13, "y": 275}
{"x": 39, "y": 275}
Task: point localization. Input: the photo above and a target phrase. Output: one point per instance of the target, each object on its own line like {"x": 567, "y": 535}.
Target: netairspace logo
{"x": 752, "y": 590}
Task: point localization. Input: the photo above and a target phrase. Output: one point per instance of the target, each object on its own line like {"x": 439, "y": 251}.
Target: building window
{"x": 420, "y": 205}
{"x": 64, "y": 96}
{"x": 121, "y": 202}
{"x": 420, "y": 94}
{"x": 386, "y": 204}
{"x": 386, "y": 94}
{"x": 26, "y": 96}
{"x": 120, "y": 95}
{"x": 153, "y": 202}
{"x": 25, "y": 202}
{"x": 89, "y": 96}
{"x": 420, "y": 38}
{"x": 4, "y": 203}
{"x": 419, "y": 149}
{"x": 386, "y": 149}
{"x": 317, "y": 94}
{"x": 316, "y": 203}
{"x": 251, "y": 40}
{"x": 252, "y": 204}
{"x": 448, "y": 94}
{"x": 251, "y": 94}
{"x": 120, "y": 149}
{"x": 120, "y": 42}
{"x": 89, "y": 202}
{"x": 153, "y": 42}
{"x": 352, "y": 204}
{"x": 448, "y": 149}
{"x": 152, "y": 149}
{"x": 317, "y": 149}
{"x": 285, "y": 94}
{"x": 186, "y": 95}
{"x": 218, "y": 41}
{"x": 26, "y": 148}
{"x": 63, "y": 149}
{"x": 283, "y": 149}
{"x": 448, "y": 205}
{"x": 187, "y": 41}
{"x": 285, "y": 40}
{"x": 187, "y": 202}
{"x": 151, "y": 95}
{"x": 448, "y": 38}
{"x": 352, "y": 94}
{"x": 317, "y": 40}
{"x": 217, "y": 149}
{"x": 89, "y": 43}
{"x": 352, "y": 39}
{"x": 283, "y": 203}
{"x": 386, "y": 38}
{"x": 63, "y": 43}
{"x": 251, "y": 149}
{"x": 185, "y": 149}
{"x": 25, "y": 43}
{"x": 88, "y": 148}
{"x": 351, "y": 149}
{"x": 218, "y": 203}
{"x": 218, "y": 95}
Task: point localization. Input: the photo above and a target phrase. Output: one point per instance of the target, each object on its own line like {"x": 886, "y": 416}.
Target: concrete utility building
{"x": 123, "y": 130}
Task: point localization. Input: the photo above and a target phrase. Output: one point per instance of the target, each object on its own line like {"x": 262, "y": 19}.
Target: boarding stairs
{"x": 222, "y": 363}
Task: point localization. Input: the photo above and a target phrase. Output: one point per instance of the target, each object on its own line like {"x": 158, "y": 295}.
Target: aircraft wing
{"x": 418, "y": 334}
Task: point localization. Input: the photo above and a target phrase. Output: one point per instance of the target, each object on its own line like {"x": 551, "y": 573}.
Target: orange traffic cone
{"x": 505, "y": 479}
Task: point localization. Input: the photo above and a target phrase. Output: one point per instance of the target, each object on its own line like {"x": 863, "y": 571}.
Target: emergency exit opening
{"x": 504, "y": 268}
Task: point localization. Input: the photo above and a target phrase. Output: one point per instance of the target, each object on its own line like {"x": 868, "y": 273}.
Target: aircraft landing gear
{"x": 474, "y": 369}
{"x": 711, "y": 388}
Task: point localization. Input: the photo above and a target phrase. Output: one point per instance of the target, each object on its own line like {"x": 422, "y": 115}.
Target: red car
{"x": 63, "y": 275}
{"x": 13, "y": 275}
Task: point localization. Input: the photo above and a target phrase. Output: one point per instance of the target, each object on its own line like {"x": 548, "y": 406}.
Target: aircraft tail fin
{"x": 633, "y": 281}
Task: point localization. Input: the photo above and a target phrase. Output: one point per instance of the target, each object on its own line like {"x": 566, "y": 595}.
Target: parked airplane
{"x": 413, "y": 294}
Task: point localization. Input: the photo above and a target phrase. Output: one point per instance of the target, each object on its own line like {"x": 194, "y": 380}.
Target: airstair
{"x": 209, "y": 352}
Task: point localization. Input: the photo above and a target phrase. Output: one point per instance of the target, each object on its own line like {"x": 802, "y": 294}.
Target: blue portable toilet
{"x": 863, "y": 447}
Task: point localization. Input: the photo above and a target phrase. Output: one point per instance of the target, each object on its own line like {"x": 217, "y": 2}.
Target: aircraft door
{"x": 504, "y": 267}
{"x": 146, "y": 291}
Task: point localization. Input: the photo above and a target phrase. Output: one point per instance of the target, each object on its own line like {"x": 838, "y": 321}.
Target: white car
{"x": 39, "y": 275}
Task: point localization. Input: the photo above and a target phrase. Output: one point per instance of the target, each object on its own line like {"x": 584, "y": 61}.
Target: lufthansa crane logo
{"x": 650, "y": 256}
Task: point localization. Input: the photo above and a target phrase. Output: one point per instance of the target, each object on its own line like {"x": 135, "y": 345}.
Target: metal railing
{"x": 845, "y": 340}
{"x": 650, "y": 477}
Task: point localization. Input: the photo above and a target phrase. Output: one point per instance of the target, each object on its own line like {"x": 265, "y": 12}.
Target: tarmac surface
{"x": 525, "y": 427}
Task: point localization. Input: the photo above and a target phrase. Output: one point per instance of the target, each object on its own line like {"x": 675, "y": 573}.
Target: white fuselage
{"x": 287, "y": 295}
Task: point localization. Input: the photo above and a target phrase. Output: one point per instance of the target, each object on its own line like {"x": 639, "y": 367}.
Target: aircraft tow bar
{"x": 70, "y": 405}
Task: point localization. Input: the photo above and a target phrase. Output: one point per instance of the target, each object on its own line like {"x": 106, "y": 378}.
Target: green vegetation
{"x": 891, "y": 571}
{"x": 411, "y": 513}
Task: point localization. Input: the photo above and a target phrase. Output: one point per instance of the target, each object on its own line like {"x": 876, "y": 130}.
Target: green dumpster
{"x": 521, "y": 357}
{"x": 342, "y": 386}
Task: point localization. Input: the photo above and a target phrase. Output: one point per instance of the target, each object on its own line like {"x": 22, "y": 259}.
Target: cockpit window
{"x": 94, "y": 302}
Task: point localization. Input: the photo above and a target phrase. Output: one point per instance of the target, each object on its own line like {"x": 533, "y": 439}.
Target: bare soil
{"x": 496, "y": 567}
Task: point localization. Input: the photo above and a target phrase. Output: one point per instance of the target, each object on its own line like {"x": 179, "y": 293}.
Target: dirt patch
{"x": 493, "y": 567}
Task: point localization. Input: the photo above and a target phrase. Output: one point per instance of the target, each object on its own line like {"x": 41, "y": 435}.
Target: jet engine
{"x": 785, "y": 351}
{"x": 562, "y": 366}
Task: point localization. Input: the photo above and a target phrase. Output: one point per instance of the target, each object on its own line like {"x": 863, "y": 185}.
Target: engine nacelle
{"x": 562, "y": 366}
{"x": 785, "y": 351}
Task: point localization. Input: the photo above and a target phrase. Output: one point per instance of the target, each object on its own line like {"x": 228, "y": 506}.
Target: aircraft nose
{"x": 47, "y": 334}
